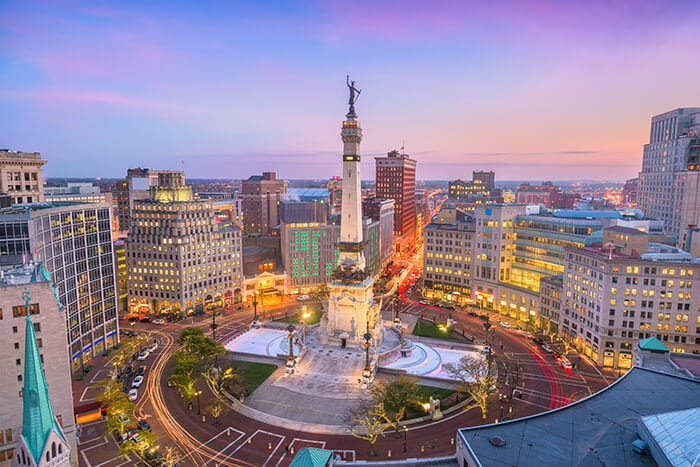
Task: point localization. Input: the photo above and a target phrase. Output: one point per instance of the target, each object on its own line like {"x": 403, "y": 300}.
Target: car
{"x": 526, "y": 334}
{"x": 505, "y": 325}
{"x": 152, "y": 347}
{"x": 133, "y": 395}
{"x": 424, "y": 302}
{"x": 449, "y": 307}
{"x": 484, "y": 317}
{"x": 137, "y": 382}
{"x": 565, "y": 363}
{"x": 471, "y": 313}
{"x": 145, "y": 319}
{"x": 547, "y": 348}
{"x": 302, "y": 298}
{"x": 143, "y": 356}
{"x": 144, "y": 425}
{"x": 486, "y": 349}
{"x": 158, "y": 321}
{"x": 556, "y": 356}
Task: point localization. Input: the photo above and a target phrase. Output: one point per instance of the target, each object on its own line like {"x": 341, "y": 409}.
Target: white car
{"x": 505, "y": 325}
{"x": 152, "y": 347}
{"x": 137, "y": 381}
{"x": 424, "y": 302}
{"x": 302, "y": 298}
{"x": 547, "y": 348}
{"x": 158, "y": 321}
{"x": 133, "y": 395}
{"x": 143, "y": 356}
{"x": 565, "y": 363}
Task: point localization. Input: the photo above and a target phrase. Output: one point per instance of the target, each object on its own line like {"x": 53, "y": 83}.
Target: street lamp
{"x": 290, "y": 358}
{"x": 367, "y": 373}
{"x": 500, "y": 399}
{"x": 199, "y": 412}
{"x": 255, "y": 308}
{"x": 405, "y": 435}
{"x": 397, "y": 315}
{"x": 487, "y": 326}
{"x": 213, "y": 323}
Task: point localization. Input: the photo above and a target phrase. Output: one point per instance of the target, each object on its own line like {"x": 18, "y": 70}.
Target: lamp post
{"x": 487, "y": 326}
{"x": 213, "y": 323}
{"x": 255, "y": 308}
{"x": 405, "y": 435}
{"x": 290, "y": 358}
{"x": 305, "y": 315}
{"x": 500, "y": 399}
{"x": 367, "y": 373}
{"x": 199, "y": 412}
{"x": 397, "y": 315}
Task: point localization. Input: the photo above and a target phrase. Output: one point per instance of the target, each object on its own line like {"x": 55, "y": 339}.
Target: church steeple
{"x": 42, "y": 441}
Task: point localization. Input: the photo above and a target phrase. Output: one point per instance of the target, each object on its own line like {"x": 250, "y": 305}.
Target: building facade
{"x": 382, "y": 211}
{"x": 75, "y": 244}
{"x": 21, "y": 177}
{"x": 669, "y": 187}
{"x": 261, "y": 195}
{"x": 627, "y": 288}
{"x": 536, "y": 194}
{"x": 305, "y": 205}
{"x": 49, "y": 326}
{"x": 396, "y": 179}
{"x": 137, "y": 186}
{"x": 483, "y": 184}
{"x": 178, "y": 259}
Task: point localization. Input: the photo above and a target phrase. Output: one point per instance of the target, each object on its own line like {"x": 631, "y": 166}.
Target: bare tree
{"x": 216, "y": 409}
{"x": 476, "y": 377}
{"x": 514, "y": 373}
{"x": 367, "y": 420}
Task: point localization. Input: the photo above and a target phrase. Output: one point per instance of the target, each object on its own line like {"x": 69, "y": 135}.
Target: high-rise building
{"x": 21, "y": 177}
{"x": 178, "y": 259}
{"x": 382, "y": 211}
{"x": 536, "y": 194}
{"x": 261, "y": 195}
{"x": 74, "y": 241}
{"x": 483, "y": 184}
{"x": 629, "y": 192}
{"x": 136, "y": 186}
{"x": 35, "y": 353}
{"x": 305, "y": 205}
{"x": 396, "y": 179}
{"x": 669, "y": 184}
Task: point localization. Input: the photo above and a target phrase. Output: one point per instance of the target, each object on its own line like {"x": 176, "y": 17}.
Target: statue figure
{"x": 353, "y": 90}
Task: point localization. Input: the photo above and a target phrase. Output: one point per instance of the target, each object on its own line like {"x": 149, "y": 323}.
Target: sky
{"x": 534, "y": 90}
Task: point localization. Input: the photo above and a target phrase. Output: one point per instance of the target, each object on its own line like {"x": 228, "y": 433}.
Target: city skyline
{"x": 534, "y": 91}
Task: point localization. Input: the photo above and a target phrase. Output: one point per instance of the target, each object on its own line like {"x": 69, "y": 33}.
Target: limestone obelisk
{"x": 351, "y": 311}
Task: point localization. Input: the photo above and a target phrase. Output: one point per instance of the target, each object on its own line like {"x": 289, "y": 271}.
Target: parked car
{"x": 140, "y": 371}
{"x": 302, "y": 298}
{"x": 137, "y": 382}
{"x": 547, "y": 348}
{"x": 424, "y": 302}
{"x": 152, "y": 347}
{"x": 471, "y": 313}
{"x": 144, "y": 425}
{"x": 143, "y": 356}
{"x": 565, "y": 363}
{"x": 158, "y": 321}
{"x": 133, "y": 395}
{"x": 505, "y": 325}
{"x": 145, "y": 319}
{"x": 484, "y": 317}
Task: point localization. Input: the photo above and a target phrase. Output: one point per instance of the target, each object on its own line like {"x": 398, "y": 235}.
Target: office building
{"x": 382, "y": 211}
{"x": 669, "y": 187}
{"x": 335, "y": 187}
{"x": 627, "y": 288}
{"x": 74, "y": 241}
{"x": 21, "y": 177}
{"x": 179, "y": 261}
{"x": 629, "y": 192}
{"x": 483, "y": 184}
{"x": 536, "y": 194}
{"x": 137, "y": 186}
{"x": 262, "y": 195}
{"x": 33, "y": 353}
{"x": 229, "y": 211}
{"x": 310, "y": 251}
{"x": 305, "y": 205}
{"x": 396, "y": 179}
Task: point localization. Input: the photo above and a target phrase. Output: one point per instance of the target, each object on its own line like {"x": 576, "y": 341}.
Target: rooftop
{"x": 23, "y": 274}
{"x": 598, "y": 430}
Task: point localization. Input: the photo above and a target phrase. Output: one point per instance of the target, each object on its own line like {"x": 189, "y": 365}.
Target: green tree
{"x": 396, "y": 395}
{"x": 146, "y": 441}
{"x": 367, "y": 420}
{"x": 476, "y": 377}
{"x": 223, "y": 379}
{"x": 185, "y": 373}
{"x": 188, "y": 333}
{"x": 120, "y": 357}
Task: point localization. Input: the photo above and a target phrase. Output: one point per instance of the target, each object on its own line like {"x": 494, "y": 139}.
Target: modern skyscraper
{"x": 669, "y": 184}
{"x": 21, "y": 176}
{"x": 178, "y": 260}
{"x": 75, "y": 244}
{"x": 35, "y": 355}
{"x": 382, "y": 210}
{"x": 261, "y": 195}
{"x": 396, "y": 179}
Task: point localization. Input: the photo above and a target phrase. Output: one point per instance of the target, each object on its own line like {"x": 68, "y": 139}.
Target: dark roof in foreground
{"x": 598, "y": 430}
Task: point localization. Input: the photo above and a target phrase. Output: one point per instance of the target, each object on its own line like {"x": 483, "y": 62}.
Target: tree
{"x": 185, "y": 373}
{"x": 146, "y": 440}
{"x": 127, "y": 348}
{"x": 475, "y": 376}
{"x": 367, "y": 420}
{"x": 198, "y": 344}
{"x": 171, "y": 457}
{"x": 222, "y": 378}
{"x": 116, "y": 403}
{"x": 216, "y": 409}
{"x": 188, "y": 333}
{"x": 514, "y": 373}
{"x": 396, "y": 395}
{"x": 322, "y": 292}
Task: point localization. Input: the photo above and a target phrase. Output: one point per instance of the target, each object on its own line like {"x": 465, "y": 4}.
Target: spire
{"x": 38, "y": 418}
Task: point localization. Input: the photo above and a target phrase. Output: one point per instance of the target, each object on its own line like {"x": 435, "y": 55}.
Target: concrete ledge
{"x": 446, "y": 461}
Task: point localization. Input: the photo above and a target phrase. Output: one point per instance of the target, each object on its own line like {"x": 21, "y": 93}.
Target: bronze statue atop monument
{"x": 354, "y": 94}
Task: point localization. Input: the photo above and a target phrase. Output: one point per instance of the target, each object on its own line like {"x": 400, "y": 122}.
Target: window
{"x": 21, "y": 310}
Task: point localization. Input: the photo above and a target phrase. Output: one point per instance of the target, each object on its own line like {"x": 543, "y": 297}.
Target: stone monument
{"x": 351, "y": 311}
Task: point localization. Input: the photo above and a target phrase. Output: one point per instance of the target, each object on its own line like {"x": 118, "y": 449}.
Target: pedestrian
{"x": 286, "y": 448}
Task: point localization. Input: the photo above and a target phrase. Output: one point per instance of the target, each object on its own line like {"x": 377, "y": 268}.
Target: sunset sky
{"x": 534, "y": 90}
